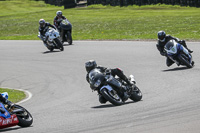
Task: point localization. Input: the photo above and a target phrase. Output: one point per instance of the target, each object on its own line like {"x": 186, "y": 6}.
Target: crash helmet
{"x": 59, "y": 13}
{"x": 42, "y": 22}
{"x": 161, "y": 36}
{"x": 89, "y": 65}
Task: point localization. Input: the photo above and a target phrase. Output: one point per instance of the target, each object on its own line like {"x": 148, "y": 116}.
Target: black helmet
{"x": 42, "y": 22}
{"x": 59, "y": 13}
{"x": 91, "y": 64}
{"x": 161, "y": 36}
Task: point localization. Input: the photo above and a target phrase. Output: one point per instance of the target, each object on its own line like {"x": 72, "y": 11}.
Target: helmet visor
{"x": 42, "y": 24}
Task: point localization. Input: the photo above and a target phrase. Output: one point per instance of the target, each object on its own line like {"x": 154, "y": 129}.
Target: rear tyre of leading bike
{"x": 136, "y": 94}
{"x": 69, "y": 38}
{"x": 24, "y": 117}
{"x": 183, "y": 59}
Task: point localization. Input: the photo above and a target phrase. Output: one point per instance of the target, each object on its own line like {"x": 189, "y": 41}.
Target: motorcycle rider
{"x": 44, "y": 26}
{"x": 163, "y": 39}
{"x": 91, "y": 64}
{"x": 57, "y": 19}
{"x": 5, "y": 101}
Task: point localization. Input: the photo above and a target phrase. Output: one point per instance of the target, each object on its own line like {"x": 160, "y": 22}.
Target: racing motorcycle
{"x": 16, "y": 115}
{"x": 110, "y": 87}
{"x": 65, "y": 31}
{"x": 52, "y": 38}
{"x": 179, "y": 54}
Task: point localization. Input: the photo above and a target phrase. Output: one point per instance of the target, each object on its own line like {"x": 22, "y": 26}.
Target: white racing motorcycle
{"x": 52, "y": 38}
{"x": 179, "y": 54}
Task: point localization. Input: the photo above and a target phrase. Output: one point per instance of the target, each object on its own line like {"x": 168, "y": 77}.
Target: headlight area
{"x": 97, "y": 83}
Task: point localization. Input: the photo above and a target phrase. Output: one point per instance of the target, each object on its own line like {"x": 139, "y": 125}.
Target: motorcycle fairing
{"x": 7, "y": 120}
{"x": 108, "y": 87}
{"x": 52, "y": 34}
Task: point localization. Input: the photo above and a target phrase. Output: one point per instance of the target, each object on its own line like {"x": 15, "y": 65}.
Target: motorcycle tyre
{"x": 24, "y": 122}
{"x": 69, "y": 37}
{"x": 185, "y": 62}
{"x": 51, "y": 49}
{"x": 106, "y": 95}
{"x": 136, "y": 94}
{"x": 59, "y": 44}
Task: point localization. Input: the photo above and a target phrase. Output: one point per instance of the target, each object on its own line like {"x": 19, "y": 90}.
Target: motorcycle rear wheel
{"x": 69, "y": 38}
{"x": 25, "y": 118}
{"x": 114, "y": 99}
{"x": 185, "y": 61}
{"x": 136, "y": 94}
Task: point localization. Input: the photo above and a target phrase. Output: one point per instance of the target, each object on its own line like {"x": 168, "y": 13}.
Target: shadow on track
{"x": 176, "y": 69}
{"x": 110, "y": 105}
{"x": 12, "y": 128}
{"x": 47, "y": 52}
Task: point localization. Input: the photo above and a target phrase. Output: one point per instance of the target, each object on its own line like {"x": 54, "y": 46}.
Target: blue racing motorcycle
{"x": 179, "y": 54}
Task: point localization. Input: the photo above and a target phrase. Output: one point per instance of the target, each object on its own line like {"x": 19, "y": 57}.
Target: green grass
{"x": 99, "y": 22}
{"x": 14, "y": 95}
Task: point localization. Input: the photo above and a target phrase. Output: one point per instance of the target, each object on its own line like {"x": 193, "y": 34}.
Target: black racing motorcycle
{"x": 110, "y": 87}
{"x": 65, "y": 31}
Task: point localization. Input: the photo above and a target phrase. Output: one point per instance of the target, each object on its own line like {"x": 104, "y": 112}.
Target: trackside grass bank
{"x": 19, "y": 21}
{"x": 14, "y": 95}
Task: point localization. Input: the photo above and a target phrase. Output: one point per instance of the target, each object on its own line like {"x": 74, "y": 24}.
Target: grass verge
{"x": 14, "y": 95}
{"x": 99, "y": 22}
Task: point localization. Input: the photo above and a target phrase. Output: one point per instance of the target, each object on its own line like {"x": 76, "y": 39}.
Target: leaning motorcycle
{"x": 110, "y": 87}
{"x": 66, "y": 28}
{"x": 52, "y": 38}
{"x": 179, "y": 54}
{"x": 16, "y": 115}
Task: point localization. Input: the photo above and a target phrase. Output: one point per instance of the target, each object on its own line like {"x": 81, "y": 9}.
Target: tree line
{"x": 192, "y": 3}
{"x": 72, "y": 3}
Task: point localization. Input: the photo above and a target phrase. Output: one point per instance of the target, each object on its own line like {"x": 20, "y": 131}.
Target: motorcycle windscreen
{"x": 171, "y": 47}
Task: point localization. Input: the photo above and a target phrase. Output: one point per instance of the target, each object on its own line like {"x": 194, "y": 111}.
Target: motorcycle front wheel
{"x": 112, "y": 97}
{"x": 59, "y": 44}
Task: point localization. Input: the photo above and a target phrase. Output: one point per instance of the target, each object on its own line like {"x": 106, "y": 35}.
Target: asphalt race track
{"x": 62, "y": 101}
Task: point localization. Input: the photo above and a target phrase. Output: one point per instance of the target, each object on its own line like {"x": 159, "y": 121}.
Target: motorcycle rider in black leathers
{"x": 163, "y": 39}
{"x": 44, "y": 26}
{"x": 91, "y": 64}
{"x": 5, "y": 101}
{"x": 57, "y": 21}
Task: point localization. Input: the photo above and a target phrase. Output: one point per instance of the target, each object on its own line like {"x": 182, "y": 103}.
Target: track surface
{"x": 62, "y": 101}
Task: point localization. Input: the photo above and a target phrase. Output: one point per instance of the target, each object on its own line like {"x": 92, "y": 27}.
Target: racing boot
{"x": 125, "y": 94}
{"x": 125, "y": 97}
{"x": 189, "y": 50}
{"x": 192, "y": 63}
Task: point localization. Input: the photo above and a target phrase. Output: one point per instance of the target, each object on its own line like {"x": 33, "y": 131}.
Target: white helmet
{"x": 59, "y": 13}
{"x": 42, "y": 22}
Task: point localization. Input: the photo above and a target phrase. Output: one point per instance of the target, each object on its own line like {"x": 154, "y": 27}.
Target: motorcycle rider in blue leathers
{"x": 5, "y": 101}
